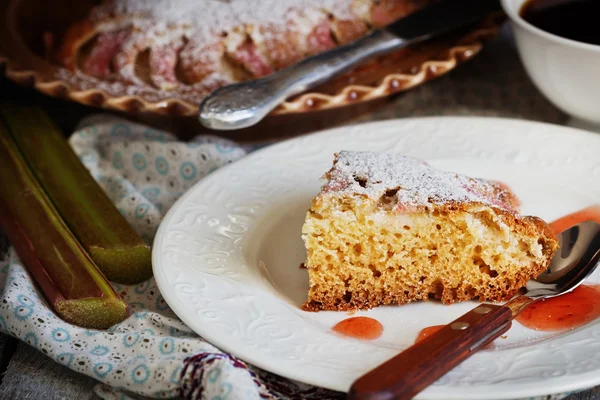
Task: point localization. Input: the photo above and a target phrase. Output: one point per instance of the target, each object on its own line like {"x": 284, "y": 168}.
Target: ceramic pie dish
{"x": 148, "y": 56}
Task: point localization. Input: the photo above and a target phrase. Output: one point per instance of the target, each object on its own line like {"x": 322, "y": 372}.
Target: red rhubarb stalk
{"x": 105, "y": 234}
{"x": 78, "y": 291}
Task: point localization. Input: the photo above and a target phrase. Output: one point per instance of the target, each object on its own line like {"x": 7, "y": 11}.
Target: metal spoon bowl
{"x": 577, "y": 257}
{"x": 420, "y": 365}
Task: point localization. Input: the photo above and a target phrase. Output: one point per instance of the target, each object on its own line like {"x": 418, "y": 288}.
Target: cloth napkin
{"x": 152, "y": 353}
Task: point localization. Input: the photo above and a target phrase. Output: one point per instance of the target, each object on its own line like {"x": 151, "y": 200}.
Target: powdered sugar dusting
{"x": 223, "y": 14}
{"x": 202, "y": 20}
{"x": 208, "y": 27}
{"x": 410, "y": 182}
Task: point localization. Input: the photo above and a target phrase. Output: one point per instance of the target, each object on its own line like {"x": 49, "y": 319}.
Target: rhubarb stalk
{"x": 72, "y": 283}
{"x": 112, "y": 243}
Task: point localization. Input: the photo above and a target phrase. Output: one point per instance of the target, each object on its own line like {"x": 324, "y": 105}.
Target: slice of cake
{"x": 388, "y": 229}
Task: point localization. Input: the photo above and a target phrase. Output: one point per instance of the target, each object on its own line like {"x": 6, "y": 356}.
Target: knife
{"x": 244, "y": 104}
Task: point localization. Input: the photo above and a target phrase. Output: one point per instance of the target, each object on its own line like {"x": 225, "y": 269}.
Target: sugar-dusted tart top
{"x": 192, "y": 47}
{"x": 215, "y": 13}
{"x": 406, "y": 184}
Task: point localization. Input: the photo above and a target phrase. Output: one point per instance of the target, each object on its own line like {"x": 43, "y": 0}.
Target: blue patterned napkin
{"x": 152, "y": 353}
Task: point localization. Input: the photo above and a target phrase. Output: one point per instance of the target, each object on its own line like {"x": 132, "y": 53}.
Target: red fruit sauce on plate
{"x": 364, "y": 328}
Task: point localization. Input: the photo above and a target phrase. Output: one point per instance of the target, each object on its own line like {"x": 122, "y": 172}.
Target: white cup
{"x": 567, "y": 72}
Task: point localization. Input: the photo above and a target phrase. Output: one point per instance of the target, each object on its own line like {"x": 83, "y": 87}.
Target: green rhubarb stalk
{"x": 70, "y": 280}
{"x": 112, "y": 243}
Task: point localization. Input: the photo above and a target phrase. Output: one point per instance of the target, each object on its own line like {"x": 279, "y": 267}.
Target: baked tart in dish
{"x": 202, "y": 45}
{"x": 165, "y": 56}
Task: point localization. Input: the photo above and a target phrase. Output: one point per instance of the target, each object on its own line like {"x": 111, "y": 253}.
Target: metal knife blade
{"x": 441, "y": 17}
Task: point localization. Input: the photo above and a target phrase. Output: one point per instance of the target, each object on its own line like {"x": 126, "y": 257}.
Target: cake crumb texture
{"x": 389, "y": 229}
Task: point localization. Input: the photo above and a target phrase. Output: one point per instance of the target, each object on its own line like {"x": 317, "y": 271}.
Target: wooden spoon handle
{"x": 420, "y": 365}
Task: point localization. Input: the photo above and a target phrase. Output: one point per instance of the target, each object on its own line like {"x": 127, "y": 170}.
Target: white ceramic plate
{"x": 227, "y": 256}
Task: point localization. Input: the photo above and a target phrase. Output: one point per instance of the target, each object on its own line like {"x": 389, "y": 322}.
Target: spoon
{"x": 411, "y": 371}
{"x": 244, "y": 104}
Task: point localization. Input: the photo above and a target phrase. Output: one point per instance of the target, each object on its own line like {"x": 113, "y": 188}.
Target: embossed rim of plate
{"x": 556, "y": 365}
{"x": 32, "y": 70}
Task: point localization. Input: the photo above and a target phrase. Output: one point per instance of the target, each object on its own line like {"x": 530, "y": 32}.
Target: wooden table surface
{"x": 493, "y": 84}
